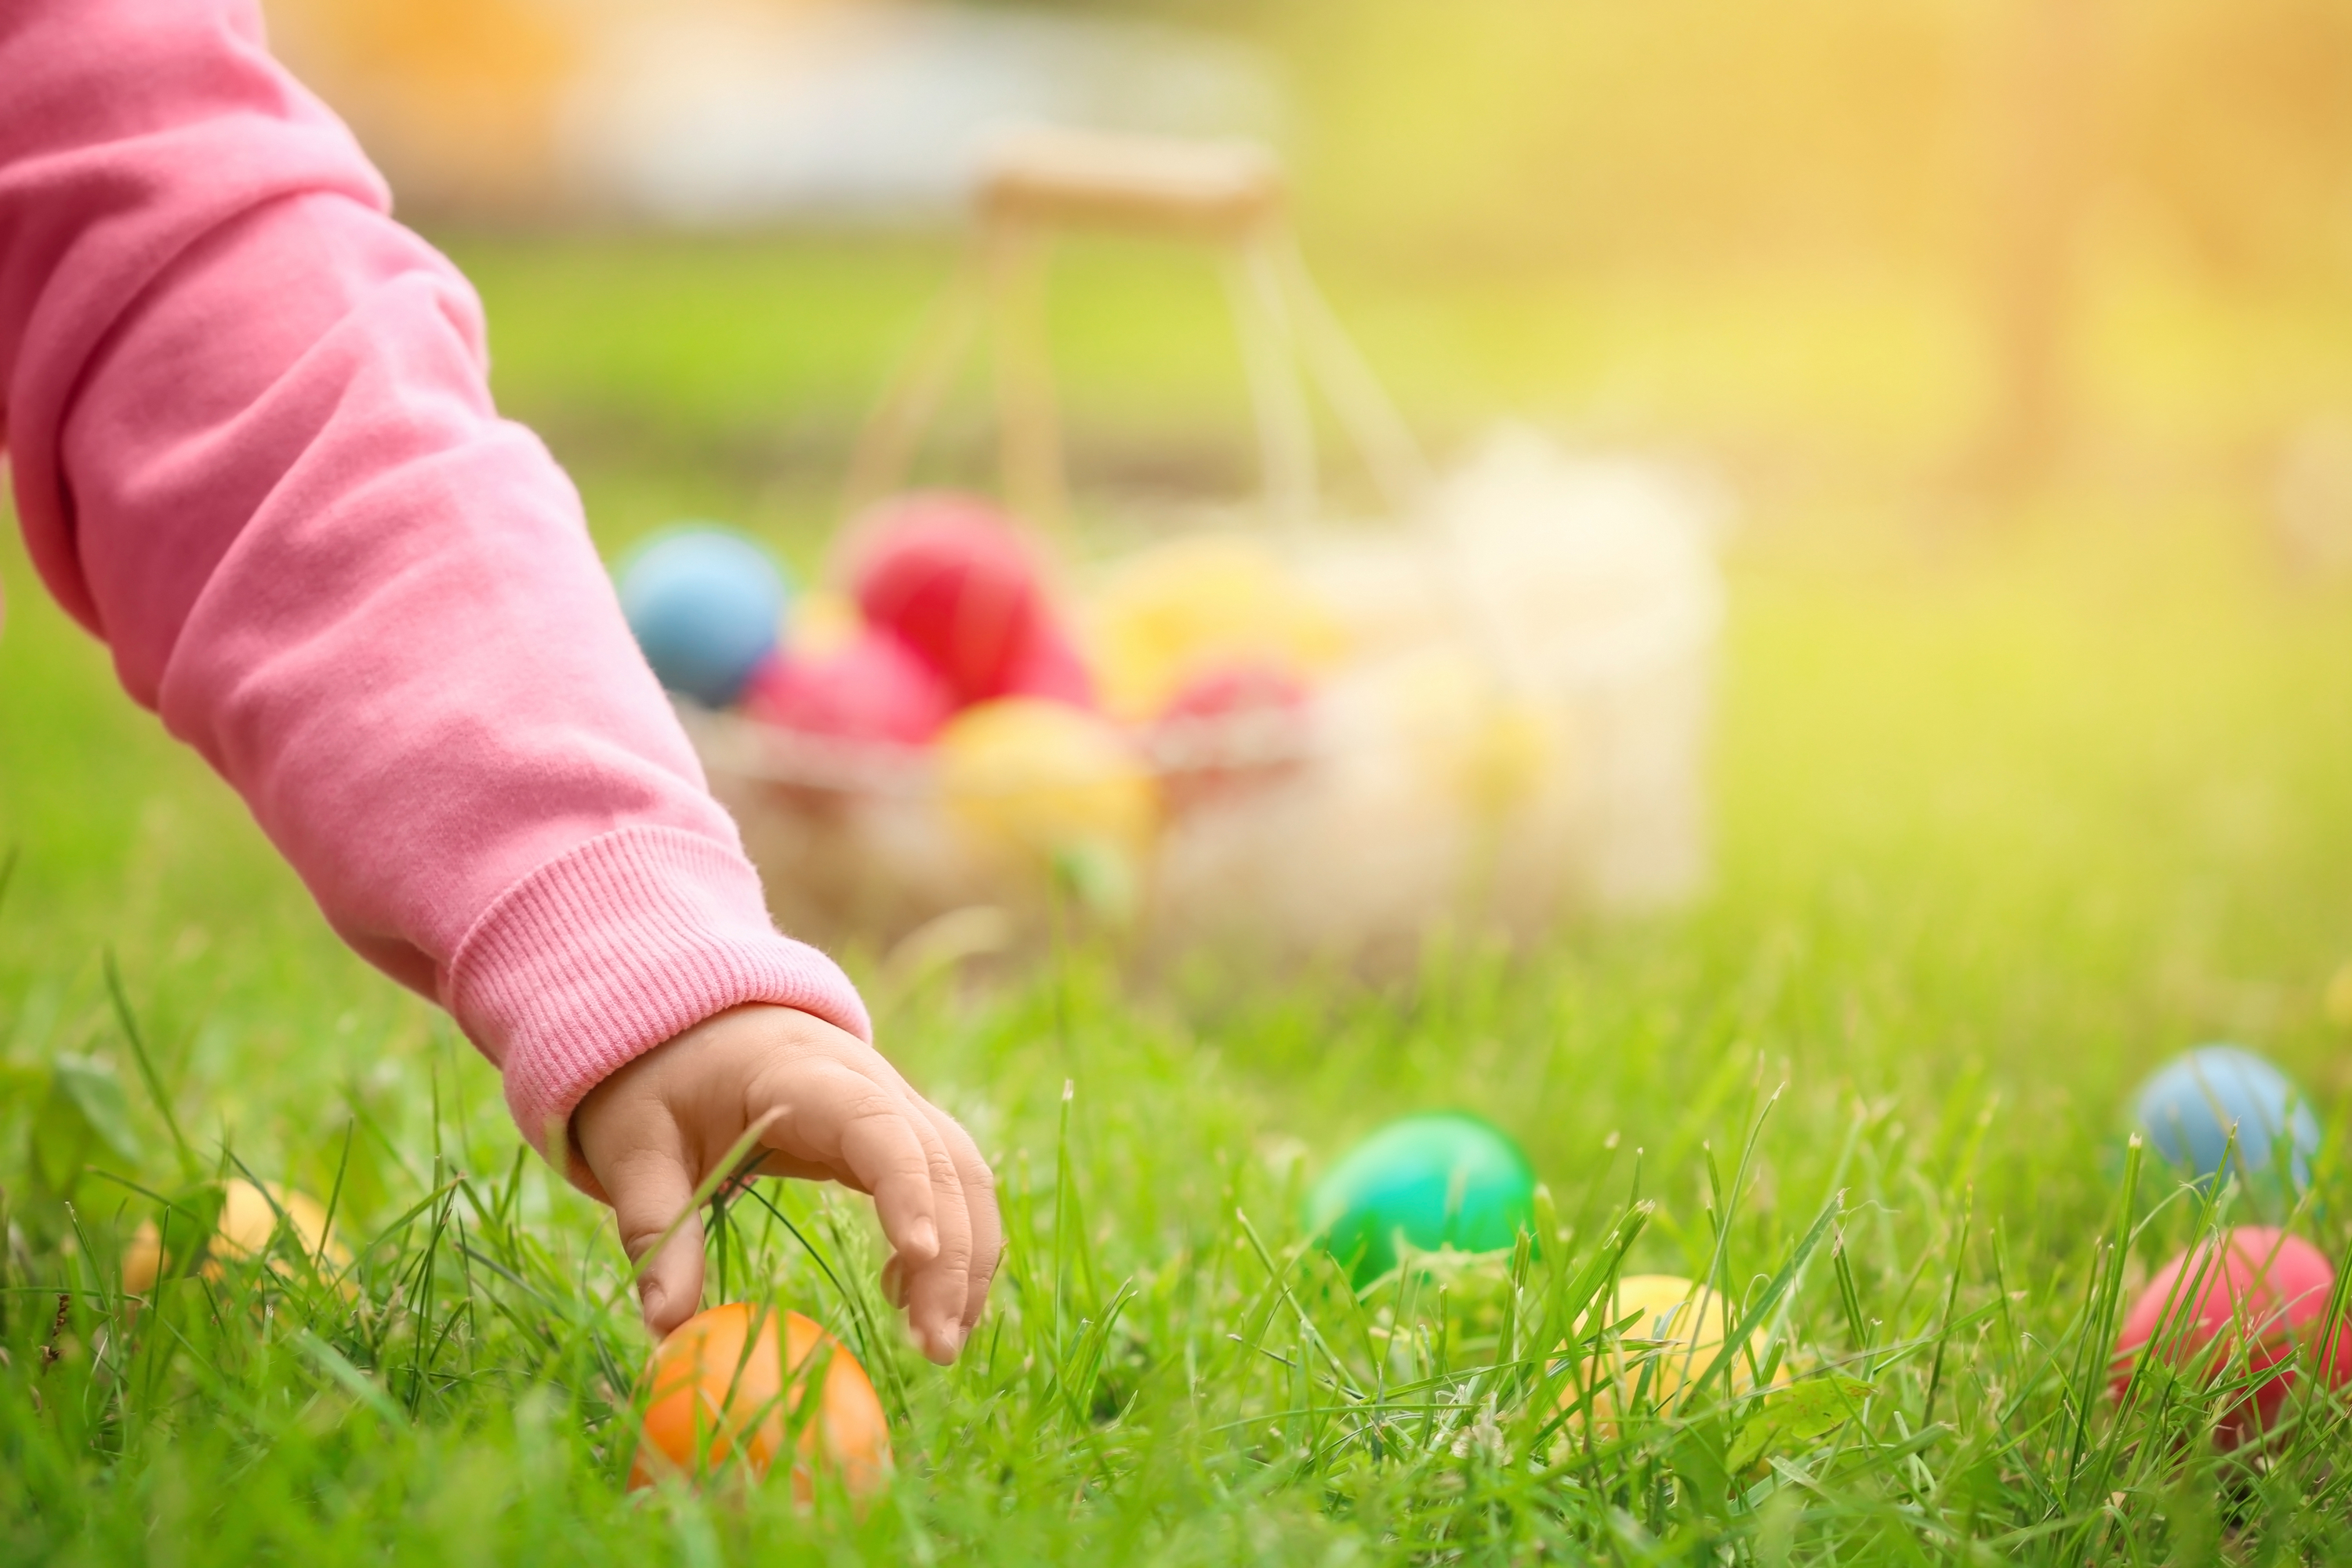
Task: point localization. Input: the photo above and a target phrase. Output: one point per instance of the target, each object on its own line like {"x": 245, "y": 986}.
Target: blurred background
{"x": 1969, "y": 249}
{"x": 2019, "y": 332}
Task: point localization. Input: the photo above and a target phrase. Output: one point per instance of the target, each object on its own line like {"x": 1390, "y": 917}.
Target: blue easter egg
{"x": 705, "y": 604}
{"x": 2189, "y": 1107}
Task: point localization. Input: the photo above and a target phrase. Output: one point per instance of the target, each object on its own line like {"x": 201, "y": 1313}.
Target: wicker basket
{"x": 1517, "y": 731}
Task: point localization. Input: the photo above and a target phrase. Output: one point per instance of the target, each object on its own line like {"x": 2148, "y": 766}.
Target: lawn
{"x": 2010, "y": 803}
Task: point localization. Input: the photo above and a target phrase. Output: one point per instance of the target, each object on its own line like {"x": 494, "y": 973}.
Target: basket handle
{"x": 1034, "y": 181}
{"x": 1056, "y": 178}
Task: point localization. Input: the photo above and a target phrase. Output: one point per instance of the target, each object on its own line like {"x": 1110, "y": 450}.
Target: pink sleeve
{"x": 253, "y": 450}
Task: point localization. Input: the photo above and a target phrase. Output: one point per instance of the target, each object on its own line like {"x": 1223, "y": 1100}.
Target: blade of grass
{"x": 191, "y": 1168}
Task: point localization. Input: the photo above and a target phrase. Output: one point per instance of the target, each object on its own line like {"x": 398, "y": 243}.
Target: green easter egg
{"x": 1440, "y": 1179}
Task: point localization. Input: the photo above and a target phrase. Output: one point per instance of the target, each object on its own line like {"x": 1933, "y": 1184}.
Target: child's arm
{"x": 253, "y": 449}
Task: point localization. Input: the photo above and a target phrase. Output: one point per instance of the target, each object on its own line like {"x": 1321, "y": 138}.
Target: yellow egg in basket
{"x": 1178, "y": 609}
{"x": 1036, "y": 778}
{"x": 823, "y": 624}
{"x": 1478, "y": 744}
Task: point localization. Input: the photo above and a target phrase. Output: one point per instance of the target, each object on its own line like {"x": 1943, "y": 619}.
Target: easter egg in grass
{"x": 249, "y": 1222}
{"x": 1674, "y": 1336}
{"x": 728, "y": 1386}
{"x": 1438, "y": 1180}
{"x": 2224, "y": 1101}
{"x": 705, "y": 604}
{"x": 2250, "y": 1306}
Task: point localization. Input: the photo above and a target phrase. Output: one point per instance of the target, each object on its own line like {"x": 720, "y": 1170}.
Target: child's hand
{"x": 653, "y": 1130}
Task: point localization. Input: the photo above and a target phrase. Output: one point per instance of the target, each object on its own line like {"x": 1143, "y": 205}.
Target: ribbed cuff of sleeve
{"x": 611, "y": 949}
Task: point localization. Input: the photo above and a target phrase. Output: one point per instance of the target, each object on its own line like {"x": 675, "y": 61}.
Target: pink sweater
{"x": 254, "y": 451}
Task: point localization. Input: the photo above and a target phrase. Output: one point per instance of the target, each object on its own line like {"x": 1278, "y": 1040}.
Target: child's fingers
{"x": 651, "y": 1186}
{"x": 859, "y": 1116}
{"x": 979, "y": 1185}
{"x": 936, "y": 1289}
{"x": 843, "y": 1122}
{"x": 944, "y": 1297}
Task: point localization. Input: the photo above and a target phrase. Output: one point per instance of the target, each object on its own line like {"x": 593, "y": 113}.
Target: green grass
{"x": 2003, "y": 819}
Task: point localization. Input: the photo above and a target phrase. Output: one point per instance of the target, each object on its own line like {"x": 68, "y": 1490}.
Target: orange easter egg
{"x": 727, "y": 1385}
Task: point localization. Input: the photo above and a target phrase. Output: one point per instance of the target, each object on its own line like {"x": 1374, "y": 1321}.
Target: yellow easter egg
{"x": 1475, "y": 742}
{"x": 1179, "y": 610}
{"x": 1514, "y": 749}
{"x": 143, "y": 1258}
{"x": 249, "y": 1218}
{"x": 1036, "y": 778}
{"x": 1677, "y": 1334}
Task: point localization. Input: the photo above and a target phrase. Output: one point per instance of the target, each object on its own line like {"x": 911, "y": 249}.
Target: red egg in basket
{"x": 876, "y": 690}
{"x": 1226, "y": 728}
{"x": 951, "y": 576}
{"x": 1048, "y": 666}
